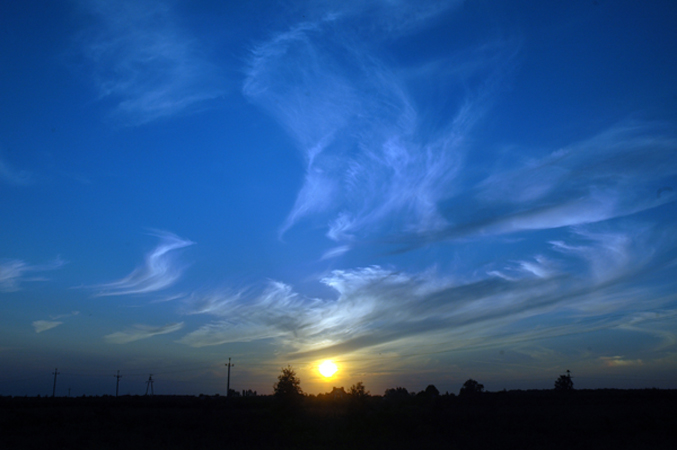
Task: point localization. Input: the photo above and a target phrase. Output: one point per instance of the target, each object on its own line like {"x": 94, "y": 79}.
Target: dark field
{"x": 601, "y": 419}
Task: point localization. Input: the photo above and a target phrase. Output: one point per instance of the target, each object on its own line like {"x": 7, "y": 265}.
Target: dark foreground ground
{"x": 601, "y": 419}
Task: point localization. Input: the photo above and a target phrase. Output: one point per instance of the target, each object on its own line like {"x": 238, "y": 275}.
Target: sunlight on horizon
{"x": 328, "y": 369}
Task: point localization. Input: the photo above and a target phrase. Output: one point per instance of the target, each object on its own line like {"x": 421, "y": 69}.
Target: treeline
{"x": 288, "y": 387}
{"x": 535, "y": 419}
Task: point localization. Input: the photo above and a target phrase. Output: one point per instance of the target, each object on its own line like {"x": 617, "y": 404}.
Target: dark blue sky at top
{"x": 422, "y": 191}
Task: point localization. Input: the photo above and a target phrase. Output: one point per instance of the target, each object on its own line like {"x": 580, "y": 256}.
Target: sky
{"x": 423, "y": 192}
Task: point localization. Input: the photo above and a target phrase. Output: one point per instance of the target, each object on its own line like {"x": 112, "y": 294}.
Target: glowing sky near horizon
{"x": 422, "y": 192}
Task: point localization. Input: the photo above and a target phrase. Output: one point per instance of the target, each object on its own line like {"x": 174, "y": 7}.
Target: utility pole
{"x": 117, "y": 384}
{"x": 229, "y": 365}
{"x": 56, "y": 372}
{"x": 149, "y": 384}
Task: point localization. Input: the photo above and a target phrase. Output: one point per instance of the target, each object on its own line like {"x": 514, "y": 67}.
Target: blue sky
{"x": 423, "y": 192}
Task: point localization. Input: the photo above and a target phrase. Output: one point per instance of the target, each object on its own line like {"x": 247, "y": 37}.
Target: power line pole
{"x": 55, "y": 373}
{"x": 117, "y": 384}
{"x": 229, "y": 365}
{"x": 149, "y": 384}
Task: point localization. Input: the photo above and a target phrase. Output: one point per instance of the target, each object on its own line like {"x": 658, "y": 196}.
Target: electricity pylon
{"x": 149, "y": 384}
{"x": 117, "y": 383}
{"x": 229, "y": 365}
{"x": 56, "y": 372}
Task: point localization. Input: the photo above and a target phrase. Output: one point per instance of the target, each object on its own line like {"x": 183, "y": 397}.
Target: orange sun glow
{"x": 327, "y": 369}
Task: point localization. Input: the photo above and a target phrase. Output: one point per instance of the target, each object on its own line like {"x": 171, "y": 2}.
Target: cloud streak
{"x": 581, "y": 284}
{"x": 145, "y": 61}
{"x": 44, "y": 325}
{"x": 14, "y": 271}
{"x": 384, "y": 159}
{"x": 622, "y": 171}
{"x": 159, "y": 271}
{"x": 370, "y": 159}
{"x": 139, "y": 332}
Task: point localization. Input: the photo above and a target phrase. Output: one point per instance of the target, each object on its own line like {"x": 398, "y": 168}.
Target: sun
{"x": 328, "y": 368}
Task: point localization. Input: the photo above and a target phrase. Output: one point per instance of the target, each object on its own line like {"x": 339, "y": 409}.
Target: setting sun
{"x": 327, "y": 369}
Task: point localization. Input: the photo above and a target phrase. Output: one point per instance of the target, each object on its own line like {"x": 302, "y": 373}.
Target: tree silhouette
{"x": 288, "y": 385}
{"x": 471, "y": 388}
{"x": 358, "y": 391}
{"x": 564, "y": 383}
{"x": 396, "y": 393}
{"x": 431, "y": 391}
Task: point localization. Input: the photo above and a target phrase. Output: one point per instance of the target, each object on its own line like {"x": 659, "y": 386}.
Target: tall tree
{"x": 471, "y": 388}
{"x": 358, "y": 390}
{"x": 564, "y": 383}
{"x": 288, "y": 384}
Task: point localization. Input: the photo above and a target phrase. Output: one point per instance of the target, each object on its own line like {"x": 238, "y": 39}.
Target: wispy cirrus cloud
{"x": 138, "y": 332}
{"x": 15, "y": 271}
{"x": 374, "y": 306}
{"x": 384, "y": 159}
{"x": 371, "y": 161}
{"x": 143, "y": 59}
{"x": 10, "y": 274}
{"x": 567, "y": 287}
{"x": 159, "y": 271}
{"x": 276, "y": 311}
{"x": 629, "y": 168}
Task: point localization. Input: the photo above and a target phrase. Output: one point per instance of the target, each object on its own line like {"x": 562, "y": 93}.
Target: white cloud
{"x": 335, "y": 252}
{"x": 609, "y": 254}
{"x": 622, "y": 171}
{"x": 540, "y": 267}
{"x": 138, "y": 332}
{"x": 159, "y": 271}
{"x": 44, "y": 325}
{"x": 13, "y": 272}
{"x": 144, "y": 60}
{"x": 375, "y": 307}
{"x": 277, "y": 311}
{"x": 10, "y": 273}
{"x": 370, "y": 161}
